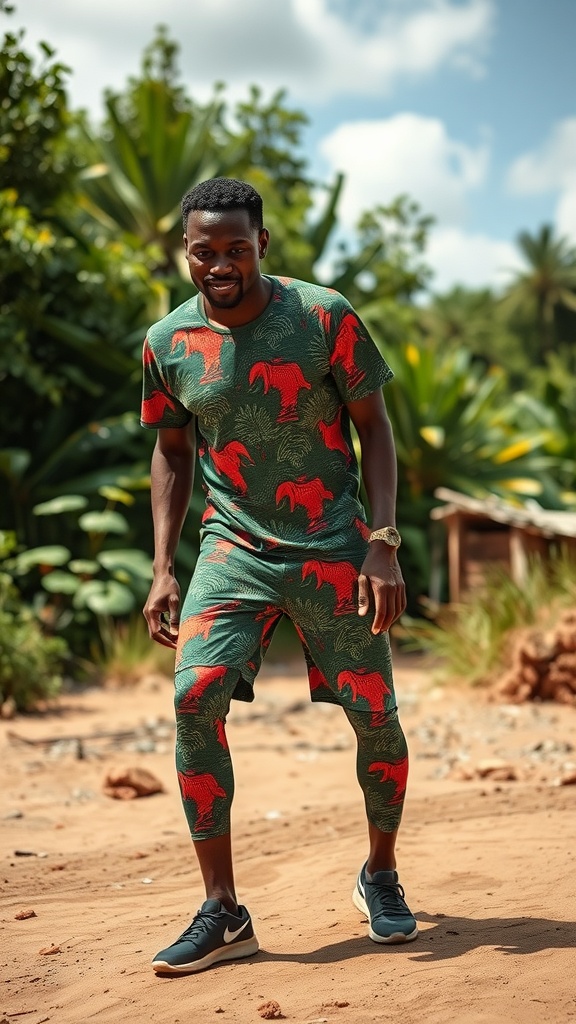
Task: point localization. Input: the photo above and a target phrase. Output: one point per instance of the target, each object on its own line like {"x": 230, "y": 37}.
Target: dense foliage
{"x": 483, "y": 399}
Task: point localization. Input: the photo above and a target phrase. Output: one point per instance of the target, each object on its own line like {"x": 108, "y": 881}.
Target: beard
{"x": 218, "y": 301}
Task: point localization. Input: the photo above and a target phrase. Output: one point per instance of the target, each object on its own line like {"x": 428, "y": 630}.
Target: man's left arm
{"x": 380, "y": 582}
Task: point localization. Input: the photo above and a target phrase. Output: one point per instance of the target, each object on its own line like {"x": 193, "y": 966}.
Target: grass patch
{"x": 472, "y": 639}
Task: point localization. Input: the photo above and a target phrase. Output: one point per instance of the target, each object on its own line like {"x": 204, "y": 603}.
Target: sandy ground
{"x": 487, "y": 863}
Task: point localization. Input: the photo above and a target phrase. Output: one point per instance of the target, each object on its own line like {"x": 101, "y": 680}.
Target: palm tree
{"x": 549, "y": 282}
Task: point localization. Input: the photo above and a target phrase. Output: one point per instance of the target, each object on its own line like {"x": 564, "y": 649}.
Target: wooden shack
{"x": 489, "y": 533}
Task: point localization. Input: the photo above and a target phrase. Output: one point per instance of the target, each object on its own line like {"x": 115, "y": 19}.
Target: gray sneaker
{"x": 213, "y": 935}
{"x": 381, "y": 897}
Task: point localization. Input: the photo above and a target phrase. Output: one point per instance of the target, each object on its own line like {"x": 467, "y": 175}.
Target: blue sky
{"x": 468, "y": 105}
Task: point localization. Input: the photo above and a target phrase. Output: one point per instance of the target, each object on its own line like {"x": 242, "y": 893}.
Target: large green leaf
{"x": 54, "y": 554}
{"x": 59, "y": 582}
{"x": 64, "y": 503}
{"x": 107, "y": 521}
{"x": 104, "y": 597}
{"x": 134, "y": 561}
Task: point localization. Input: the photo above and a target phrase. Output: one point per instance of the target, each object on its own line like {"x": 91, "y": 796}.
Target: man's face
{"x": 223, "y": 251}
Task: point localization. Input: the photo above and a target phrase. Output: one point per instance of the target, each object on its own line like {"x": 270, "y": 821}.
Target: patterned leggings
{"x": 204, "y": 765}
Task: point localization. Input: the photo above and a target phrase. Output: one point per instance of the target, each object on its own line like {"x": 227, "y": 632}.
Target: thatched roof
{"x": 532, "y": 517}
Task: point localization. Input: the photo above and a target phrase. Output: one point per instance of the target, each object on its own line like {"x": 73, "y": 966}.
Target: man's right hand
{"x": 163, "y": 600}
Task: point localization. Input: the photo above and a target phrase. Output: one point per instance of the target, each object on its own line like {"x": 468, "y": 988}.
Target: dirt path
{"x": 488, "y": 865}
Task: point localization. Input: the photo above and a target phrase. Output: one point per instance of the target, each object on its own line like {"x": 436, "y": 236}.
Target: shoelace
{"x": 390, "y": 896}
{"x": 198, "y": 926}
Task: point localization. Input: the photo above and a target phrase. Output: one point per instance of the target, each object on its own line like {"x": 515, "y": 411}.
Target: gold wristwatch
{"x": 389, "y": 534}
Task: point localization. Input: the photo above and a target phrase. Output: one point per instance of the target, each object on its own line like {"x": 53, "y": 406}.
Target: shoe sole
{"x": 390, "y": 940}
{"x": 234, "y": 952}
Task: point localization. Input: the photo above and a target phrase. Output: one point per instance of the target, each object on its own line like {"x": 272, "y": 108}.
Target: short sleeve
{"x": 160, "y": 408}
{"x": 357, "y": 366}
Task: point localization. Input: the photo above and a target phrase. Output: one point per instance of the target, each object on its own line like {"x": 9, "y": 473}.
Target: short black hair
{"x": 220, "y": 194}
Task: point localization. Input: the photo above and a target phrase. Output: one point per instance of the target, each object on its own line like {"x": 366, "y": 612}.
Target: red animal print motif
{"x": 153, "y": 407}
{"x": 221, "y": 733}
{"x": 271, "y": 614}
{"x": 311, "y": 494}
{"x": 369, "y": 685}
{"x": 340, "y": 575}
{"x": 333, "y": 437}
{"x": 363, "y": 529}
{"x": 287, "y": 379}
{"x": 147, "y": 354}
{"x": 324, "y": 317}
{"x": 343, "y": 353}
{"x": 396, "y": 772}
{"x": 222, "y": 549}
{"x": 190, "y": 703}
{"x": 203, "y": 790}
{"x": 316, "y": 679}
{"x": 227, "y": 463}
{"x": 209, "y": 344}
{"x": 201, "y": 624}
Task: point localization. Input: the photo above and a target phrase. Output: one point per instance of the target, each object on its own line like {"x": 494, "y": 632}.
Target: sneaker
{"x": 213, "y": 935}
{"x": 381, "y": 897}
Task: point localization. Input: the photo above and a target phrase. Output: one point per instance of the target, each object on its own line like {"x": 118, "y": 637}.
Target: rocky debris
{"x": 270, "y": 1010}
{"x": 49, "y": 950}
{"x": 491, "y": 768}
{"x": 130, "y": 783}
{"x": 542, "y": 664}
{"x": 23, "y": 915}
{"x": 569, "y": 778}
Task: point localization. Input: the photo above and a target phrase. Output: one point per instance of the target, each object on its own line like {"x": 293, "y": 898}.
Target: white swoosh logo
{"x": 229, "y": 936}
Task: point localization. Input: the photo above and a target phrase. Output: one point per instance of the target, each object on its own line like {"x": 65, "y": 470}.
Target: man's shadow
{"x": 451, "y": 937}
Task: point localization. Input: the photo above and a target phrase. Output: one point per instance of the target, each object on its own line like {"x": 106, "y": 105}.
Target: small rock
{"x": 569, "y": 779}
{"x": 496, "y": 769}
{"x": 49, "y": 950}
{"x": 23, "y": 915}
{"x": 270, "y": 1010}
{"x": 129, "y": 783}
{"x": 13, "y": 815}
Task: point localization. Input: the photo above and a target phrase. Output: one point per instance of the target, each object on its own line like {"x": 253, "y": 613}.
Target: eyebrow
{"x": 206, "y": 242}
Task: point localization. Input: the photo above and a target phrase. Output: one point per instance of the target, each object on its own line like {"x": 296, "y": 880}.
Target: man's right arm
{"x": 172, "y": 476}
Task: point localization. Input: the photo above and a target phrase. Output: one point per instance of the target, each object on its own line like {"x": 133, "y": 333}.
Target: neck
{"x": 248, "y": 309}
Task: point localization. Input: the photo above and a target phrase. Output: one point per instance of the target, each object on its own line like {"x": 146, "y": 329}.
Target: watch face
{"x": 392, "y": 537}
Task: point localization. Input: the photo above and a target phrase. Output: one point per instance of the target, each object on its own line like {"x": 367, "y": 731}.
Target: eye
{"x": 237, "y": 252}
{"x": 201, "y": 254}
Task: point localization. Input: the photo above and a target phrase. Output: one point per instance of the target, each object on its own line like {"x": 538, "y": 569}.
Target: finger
{"x": 363, "y": 595}
{"x": 174, "y": 612}
{"x": 380, "y": 607}
{"x": 154, "y": 620}
{"x": 164, "y": 639}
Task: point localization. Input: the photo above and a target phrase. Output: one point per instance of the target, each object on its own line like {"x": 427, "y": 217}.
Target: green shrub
{"x": 31, "y": 663}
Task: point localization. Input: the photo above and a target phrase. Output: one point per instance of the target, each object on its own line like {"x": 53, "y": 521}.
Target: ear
{"x": 263, "y": 240}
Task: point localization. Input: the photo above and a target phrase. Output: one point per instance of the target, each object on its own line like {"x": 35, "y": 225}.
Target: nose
{"x": 220, "y": 265}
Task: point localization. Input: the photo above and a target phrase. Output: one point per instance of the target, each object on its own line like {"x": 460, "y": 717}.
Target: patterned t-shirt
{"x": 275, "y": 448}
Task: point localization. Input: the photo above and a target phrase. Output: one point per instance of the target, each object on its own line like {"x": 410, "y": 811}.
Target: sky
{"x": 469, "y": 106}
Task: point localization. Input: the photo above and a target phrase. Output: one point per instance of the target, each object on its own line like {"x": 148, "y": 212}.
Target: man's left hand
{"x": 381, "y": 584}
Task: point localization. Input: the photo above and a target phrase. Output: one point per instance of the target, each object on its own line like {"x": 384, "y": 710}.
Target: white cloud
{"x": 551, "y": 168}
{"x": 474, "y": 260}
{"x": 303, "y": 45}
{"x": 404, "y": 154}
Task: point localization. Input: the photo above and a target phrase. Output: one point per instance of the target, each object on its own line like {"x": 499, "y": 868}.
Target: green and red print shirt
{"x": 269, "y": 398}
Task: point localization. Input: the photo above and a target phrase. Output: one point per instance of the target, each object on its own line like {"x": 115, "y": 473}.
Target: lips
{"x": 222, "y": 287}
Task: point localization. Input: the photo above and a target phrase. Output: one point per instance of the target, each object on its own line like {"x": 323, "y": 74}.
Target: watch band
{"x": 389, "y": 534}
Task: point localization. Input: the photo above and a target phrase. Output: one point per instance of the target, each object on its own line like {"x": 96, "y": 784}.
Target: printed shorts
{"x": 238, "y": 595}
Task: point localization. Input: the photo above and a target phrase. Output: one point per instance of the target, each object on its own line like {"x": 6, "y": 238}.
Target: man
{"x": 267, "y": 373}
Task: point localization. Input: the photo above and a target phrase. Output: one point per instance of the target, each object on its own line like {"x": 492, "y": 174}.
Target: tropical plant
{"x": 32, "y": 664}
{"x": 548, "y": 283}
{"x": 469, "y": 641}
